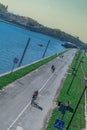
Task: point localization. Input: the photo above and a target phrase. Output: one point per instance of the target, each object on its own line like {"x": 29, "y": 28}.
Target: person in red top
{"x": 35, "y": 93}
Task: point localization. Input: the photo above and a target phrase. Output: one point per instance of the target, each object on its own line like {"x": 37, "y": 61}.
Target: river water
{"x": 13, "y": 41}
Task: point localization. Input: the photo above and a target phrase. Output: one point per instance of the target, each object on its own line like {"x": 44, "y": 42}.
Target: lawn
{"x": 71, "y": 91}
{"x": 11, "y": 77}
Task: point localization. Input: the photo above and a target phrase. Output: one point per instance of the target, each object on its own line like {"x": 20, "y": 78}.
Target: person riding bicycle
{"x": 53, "y": 68}
{"x": 35, "y": 94}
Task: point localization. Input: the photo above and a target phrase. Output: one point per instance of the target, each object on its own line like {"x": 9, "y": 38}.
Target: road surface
{"x": 16, "y": 112}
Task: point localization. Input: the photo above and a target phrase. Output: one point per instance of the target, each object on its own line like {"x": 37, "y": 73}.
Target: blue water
{"x": 13, "y": 41}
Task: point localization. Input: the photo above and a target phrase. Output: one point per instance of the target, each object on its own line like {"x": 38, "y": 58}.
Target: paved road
{"x": 16, "y": 113}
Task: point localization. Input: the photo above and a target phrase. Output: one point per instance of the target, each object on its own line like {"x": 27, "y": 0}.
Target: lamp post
{"x": 85, "y": 79}
{"x": 22, "y": 57}
{"x": 46, "y": 49}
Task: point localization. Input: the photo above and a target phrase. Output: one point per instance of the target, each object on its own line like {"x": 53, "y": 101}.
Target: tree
{"x": 3, "y": 9}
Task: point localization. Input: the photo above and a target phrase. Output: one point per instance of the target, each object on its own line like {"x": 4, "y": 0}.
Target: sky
{"x": 69, "y": 16}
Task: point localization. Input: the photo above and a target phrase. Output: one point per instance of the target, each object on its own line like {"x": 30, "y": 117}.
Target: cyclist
{"x": 53, "y": 68}
{"x": 34, "y": 96}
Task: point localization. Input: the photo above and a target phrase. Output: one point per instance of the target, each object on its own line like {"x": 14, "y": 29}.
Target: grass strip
{"x": 9, "y": 78}
{"x": 73, "y": 96}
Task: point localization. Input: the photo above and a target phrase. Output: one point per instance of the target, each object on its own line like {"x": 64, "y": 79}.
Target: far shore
{"x": 14, "y": 24}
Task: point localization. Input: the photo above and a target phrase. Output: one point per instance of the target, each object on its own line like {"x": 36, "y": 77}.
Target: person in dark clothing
{"x": 34, "y": 96}
{"x": 53, "y": 68}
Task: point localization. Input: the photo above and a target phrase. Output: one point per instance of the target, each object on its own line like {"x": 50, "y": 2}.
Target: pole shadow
{"x": 74, "y": 75}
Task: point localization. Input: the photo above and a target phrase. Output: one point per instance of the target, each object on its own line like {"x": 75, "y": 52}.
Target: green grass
{"x": 74, "y": 94}
{"x": 9, "y": 78}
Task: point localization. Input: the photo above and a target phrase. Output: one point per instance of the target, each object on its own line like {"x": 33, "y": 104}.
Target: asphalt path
{"x": 16, "y": 111}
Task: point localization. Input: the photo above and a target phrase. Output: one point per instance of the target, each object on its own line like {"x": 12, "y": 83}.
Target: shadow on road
{"x": 34, "y": 104}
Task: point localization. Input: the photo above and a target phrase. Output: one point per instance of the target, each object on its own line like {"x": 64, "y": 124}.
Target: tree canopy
{"x": 3, "y": 8}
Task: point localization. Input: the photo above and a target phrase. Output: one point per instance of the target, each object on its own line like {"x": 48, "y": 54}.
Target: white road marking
{"x": 19, "y": 115}
{"x": 45, "y": 83}
{"x": 19, "y": 128}
{"x": 28, "y": 104}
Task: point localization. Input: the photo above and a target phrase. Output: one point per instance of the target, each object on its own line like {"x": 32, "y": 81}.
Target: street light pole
{"x": 76, "y": 109}
{"x": 77, "y": 104}
{"x": 24, "y": 52}
{"x": 46, "y": 49}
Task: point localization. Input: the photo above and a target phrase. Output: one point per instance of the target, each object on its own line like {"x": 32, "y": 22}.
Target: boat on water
{"x": 69, "y": 45}
{"x": 41, "y": 45}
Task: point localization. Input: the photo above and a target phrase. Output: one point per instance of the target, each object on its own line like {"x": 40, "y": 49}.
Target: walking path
{"x": 16, "y": 112}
